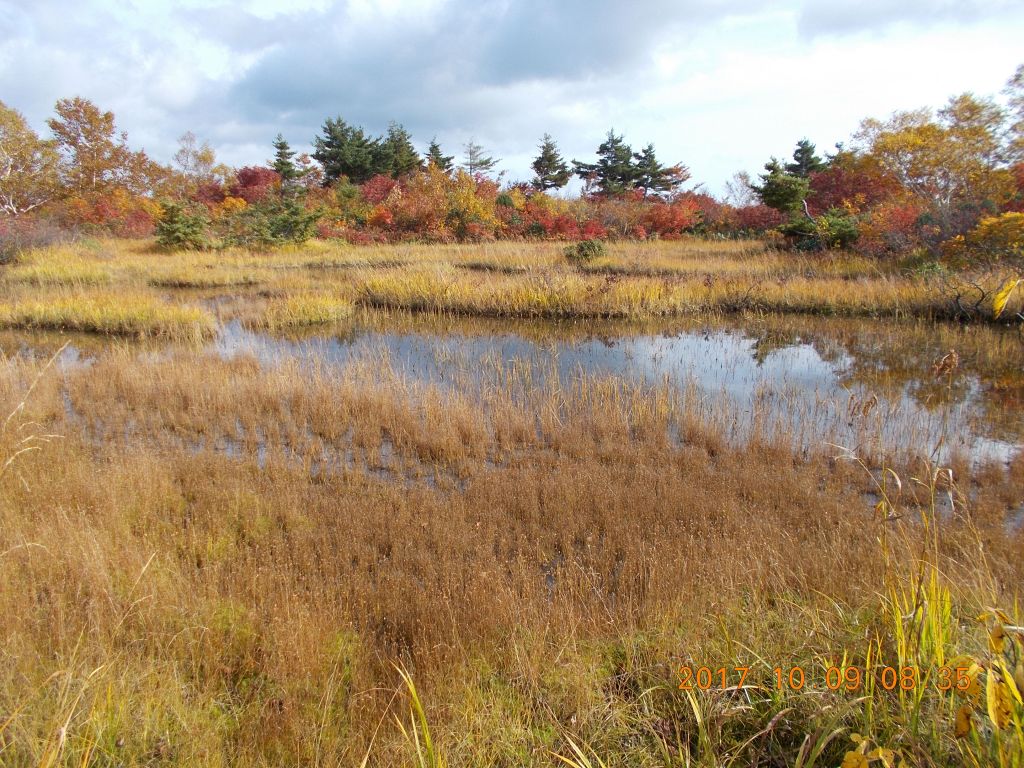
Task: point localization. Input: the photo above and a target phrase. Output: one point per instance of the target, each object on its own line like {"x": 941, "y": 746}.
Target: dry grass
{"x": 301, "y": 310}
{"x": 115, "y": 314}
{"x": 218, "y": 561}
{"x": 528, "y": 280}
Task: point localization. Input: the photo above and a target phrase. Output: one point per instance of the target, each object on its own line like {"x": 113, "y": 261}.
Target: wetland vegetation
{"x": 480, "y": 505}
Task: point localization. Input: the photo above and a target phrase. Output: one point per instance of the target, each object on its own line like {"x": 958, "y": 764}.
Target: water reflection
{"x": 822, "y": 387}
{"x": 823, "y": 380}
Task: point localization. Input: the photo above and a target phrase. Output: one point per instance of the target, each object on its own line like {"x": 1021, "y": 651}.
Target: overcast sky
{"x": 719, "y": 85}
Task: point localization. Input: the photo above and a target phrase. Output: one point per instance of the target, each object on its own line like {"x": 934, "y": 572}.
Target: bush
{"x": 271, "y": 224}
{"x": 999, "y": 238}
{"x": 584, "y": 251}
{"x": 180, "y": 229}
{"x": 23, "y": 234}
{"x": 833, "y": 229}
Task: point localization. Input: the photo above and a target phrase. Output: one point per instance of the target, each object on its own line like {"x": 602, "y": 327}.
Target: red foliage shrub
{"x": 593, "y": 230}
{"x": 667, "y": 219}
{"x": 254, "y": 183}
{"x": 210, "y": 193}
{"x": 377, "y": 189}
{"x": 758, "y": 218}
{"x": 853, "y": 182}
{"x": 380, "y": 217}
{"x": 891, "y": 227}
{"x": 714, "y": 216}
{"x": 564, "y": 227}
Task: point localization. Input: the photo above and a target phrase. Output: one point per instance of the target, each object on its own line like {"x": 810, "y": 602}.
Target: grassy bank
{"x": 220, "y": 562}
{"x": 515, "y": 280}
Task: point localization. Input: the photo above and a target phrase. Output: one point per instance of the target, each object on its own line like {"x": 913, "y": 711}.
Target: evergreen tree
{"x": 805, "y": 161}
{"x": 652, "y": 176}
{"x": 550, "y": 168}
{"x": 396, "y": 155}
{"x": 345, "y": 150}
{"x": 614, "y": 172}
{"x": 476, "y": 160}
{"x": 437, "y": 158}
{"x": 285, "y": 166}
{"x": 780, "y": 189}
{"x": 181, "y": 229}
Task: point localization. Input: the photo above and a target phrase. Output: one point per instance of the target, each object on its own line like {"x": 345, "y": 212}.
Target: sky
{"x": 718, "y": 85}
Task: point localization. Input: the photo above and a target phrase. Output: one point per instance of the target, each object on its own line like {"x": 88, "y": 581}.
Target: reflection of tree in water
{"x": 772, "y": 341}
{"x": 897, "y": 360}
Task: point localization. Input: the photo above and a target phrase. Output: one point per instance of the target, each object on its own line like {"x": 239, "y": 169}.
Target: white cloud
{"x": 718, "y": 84}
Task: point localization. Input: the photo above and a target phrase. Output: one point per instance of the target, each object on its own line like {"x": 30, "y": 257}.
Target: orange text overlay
{"x": 853, "y": 679}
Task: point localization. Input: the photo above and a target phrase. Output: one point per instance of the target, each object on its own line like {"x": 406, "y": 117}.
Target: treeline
{"x": 946, "y": 183}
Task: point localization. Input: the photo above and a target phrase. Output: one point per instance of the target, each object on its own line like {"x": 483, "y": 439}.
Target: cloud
{"x": 838, "y": 17}
{"x": 717, "y": 84}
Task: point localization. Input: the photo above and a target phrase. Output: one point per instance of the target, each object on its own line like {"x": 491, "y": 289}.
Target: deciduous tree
{"x": 28, "y": 165}
{"x": 94, "y": 155}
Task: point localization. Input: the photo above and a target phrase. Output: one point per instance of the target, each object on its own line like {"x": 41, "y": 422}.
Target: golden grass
{"x": 221, "y": 560}
{"x": 218, "y": 562}
{"x": 206, "y": 276}
{"x": 569, "y": 295}
{"x": 118, "y": 314}
{"x": 527, "y": 280}
{"x": 59, "y": 267}
{"x": 296, "y": 311}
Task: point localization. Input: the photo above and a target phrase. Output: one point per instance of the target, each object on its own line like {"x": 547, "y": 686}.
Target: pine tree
{"x": 614, "y": 172}
{"x": 396, "y": 155}
{"x": 780, "y": 189}
{"x": 346, "y": 150}
{"x": 476, "y": 160}
{"x": 805, "y": 161}
{"x": 652, "y": 176}
{"x": 438, "y": 159}
{"x": 285, "y": 166}
{"x": 550, "y": 169}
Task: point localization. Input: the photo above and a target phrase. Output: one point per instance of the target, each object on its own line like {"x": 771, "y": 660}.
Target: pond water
{"x": 824, "y": 381}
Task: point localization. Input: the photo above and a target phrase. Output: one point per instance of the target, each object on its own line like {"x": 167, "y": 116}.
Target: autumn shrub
{"x": 585, "y": 251}
{"x": 378, "y": 188}
{"x": 118, "y": 213}
{"x": 889, "y": 228}
{"x": 671, "y": 219}
{"x": 999, "y": 238}
{"x": 254, "y": 184}
{"x": 26, "y": 233}
{"x": 757, "y": 219}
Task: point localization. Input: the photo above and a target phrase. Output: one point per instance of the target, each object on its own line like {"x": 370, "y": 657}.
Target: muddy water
{"x": 822, "y": 381}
